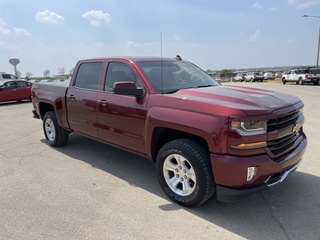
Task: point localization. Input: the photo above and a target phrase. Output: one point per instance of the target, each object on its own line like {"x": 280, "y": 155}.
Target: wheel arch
{"x": 162, "y": 135}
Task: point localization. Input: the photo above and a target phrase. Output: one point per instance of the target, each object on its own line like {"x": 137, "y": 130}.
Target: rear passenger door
{"x": 82, "y": 99}
{"x": 121, "y": 118}
{"x": 23, "y": 90}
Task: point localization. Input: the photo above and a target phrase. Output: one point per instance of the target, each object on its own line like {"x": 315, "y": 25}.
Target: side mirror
{"x": 128, "y": 88}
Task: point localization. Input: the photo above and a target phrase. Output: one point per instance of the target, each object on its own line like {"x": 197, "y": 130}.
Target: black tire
{"x": 186, "y": 165}
{"x": 283, "y": 80}
{"x": 315, "y": 82}
{"x": 55, "y": 135}
{"x": 301, "y": 81}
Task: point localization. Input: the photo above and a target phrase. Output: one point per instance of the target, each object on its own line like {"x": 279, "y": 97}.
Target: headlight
{"x": 249, "y": 128}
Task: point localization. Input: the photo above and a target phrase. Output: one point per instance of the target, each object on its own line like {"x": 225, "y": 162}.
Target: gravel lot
{"x": 88, "y": 190}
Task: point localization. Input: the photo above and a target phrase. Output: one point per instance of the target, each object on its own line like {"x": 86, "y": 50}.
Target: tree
{"x": 29, "y": 74}
{"x": 61, "y": 71}
{"x": 18, "y": 74}
{"x": 71, "y": 71}
{"x": 46, "y": 73}
{"x": 225, "y": 71}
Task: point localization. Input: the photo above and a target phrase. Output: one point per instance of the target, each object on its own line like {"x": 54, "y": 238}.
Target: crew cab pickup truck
{"x": 205, "y": 139}
{"x": 254, "y": 76}
{"x": 302, "y": 76}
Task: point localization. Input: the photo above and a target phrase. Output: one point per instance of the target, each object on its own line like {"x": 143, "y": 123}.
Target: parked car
{"x": 33, "y": 81}
{"x": 4, "y": 76}
{"x": 268, "y": 75}
{"x": 254, "y": 76}
{"x": 15, "y": 90}
{"x": 240, "y": 77}
{"x": 278, "y": 75}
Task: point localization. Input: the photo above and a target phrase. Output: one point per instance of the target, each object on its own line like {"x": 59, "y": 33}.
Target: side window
{"x": 22, "y": 84}
{"x": 9, "y": 85}
{"x": 88, "y": 75}
{"x": 119, "y": 72}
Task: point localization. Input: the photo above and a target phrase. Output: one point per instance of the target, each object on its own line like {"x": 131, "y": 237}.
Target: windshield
{"x": 175, "y": 75}
{"x": 8, "y": 76}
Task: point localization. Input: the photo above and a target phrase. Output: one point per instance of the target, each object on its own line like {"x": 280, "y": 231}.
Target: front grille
{"x": 278, "y": 146}
{"x": 283, "y": 121}
{"x": 281, "y": 143}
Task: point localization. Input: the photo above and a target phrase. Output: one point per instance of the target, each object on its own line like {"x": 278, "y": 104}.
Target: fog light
{"x": 251, "y": 173}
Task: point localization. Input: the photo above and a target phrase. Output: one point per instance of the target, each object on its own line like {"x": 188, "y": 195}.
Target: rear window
{"x": 88, "y": 75}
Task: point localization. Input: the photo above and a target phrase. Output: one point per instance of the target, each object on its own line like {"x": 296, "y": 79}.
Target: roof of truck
{"x": 137, "y": 58}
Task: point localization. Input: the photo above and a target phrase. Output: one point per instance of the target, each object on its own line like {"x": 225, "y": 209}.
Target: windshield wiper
{"x": 201, "y": 86}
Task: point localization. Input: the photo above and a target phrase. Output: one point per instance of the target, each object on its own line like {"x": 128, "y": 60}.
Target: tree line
{"x": 46, "y": 73}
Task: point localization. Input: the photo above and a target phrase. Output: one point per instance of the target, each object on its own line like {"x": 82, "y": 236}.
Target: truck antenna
{"x": 161, "y": 74}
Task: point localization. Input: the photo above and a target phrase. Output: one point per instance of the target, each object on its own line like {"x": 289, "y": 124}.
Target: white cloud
{"x": 6, "y": 45}
{"x": 21, "y": 32}
{"x": 151, "y": 44}
{"x": 271, "y": 9}
{"x": 255, "y": 37}
{"x": 133, "y": 44}
{"x": 2, "y": 23}
{"x": 49, "y": 17}
{"x": 99, "y": 44}
{"x": 97, "y": 18}
{"x": 257, "y": 5}
{"x": 293, "y": 41}
{"x": 176, "y": 38}
{"x": 303, "y": 3}
{"x": 4, "y": 30}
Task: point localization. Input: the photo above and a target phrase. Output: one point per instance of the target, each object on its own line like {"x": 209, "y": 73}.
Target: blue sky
{"x": 51, "y": 34}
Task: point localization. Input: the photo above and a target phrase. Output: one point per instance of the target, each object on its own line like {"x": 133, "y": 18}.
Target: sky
{"x": 230, "y": 34}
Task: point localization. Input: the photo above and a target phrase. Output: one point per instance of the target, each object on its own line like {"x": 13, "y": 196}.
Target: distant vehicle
{"x": 278, "y": 75}
{"x": 58, "y": 80}
{"x": 302, "y": 76}
{"x": 4, "y": 76}
{"x": 240, "y": 77}
{"x": 15, "y": 90}
{"x": 268, "y": 75}
{"x": 33, "y": 81}
{"x": 45, "y": 80}
{"x": 254, "y": 76}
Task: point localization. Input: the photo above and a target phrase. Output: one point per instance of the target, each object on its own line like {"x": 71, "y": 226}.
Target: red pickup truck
{"x": 206, "y": 139}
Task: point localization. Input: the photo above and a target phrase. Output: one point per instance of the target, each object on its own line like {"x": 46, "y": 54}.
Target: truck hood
{"x": 252, "y": 101}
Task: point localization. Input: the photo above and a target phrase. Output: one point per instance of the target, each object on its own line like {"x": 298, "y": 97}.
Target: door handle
{"x": 72, "y": 97}
{"x": 103, "y": 103}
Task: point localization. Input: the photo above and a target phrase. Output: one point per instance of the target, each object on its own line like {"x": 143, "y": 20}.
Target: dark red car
{"x": 15, "y": 90}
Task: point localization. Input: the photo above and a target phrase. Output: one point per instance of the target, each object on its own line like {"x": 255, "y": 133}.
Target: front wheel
{"x": 184, "y": 172}
{"x": 55, "y": 135}
{"x": 283, "y": 80}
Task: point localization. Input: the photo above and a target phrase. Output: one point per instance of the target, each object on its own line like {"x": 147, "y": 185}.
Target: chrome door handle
{"x": 104, "y": 103}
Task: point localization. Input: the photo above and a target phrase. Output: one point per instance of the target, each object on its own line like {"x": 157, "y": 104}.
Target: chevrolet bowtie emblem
{"x": 296, "y": 127}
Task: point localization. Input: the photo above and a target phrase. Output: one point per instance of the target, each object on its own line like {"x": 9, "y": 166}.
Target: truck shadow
{"x": 288, "y": 211}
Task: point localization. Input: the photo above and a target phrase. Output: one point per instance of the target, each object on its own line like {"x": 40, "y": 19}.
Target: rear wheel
{"x": 55, "y": 135}
{"x": 316, "y": 82}
{"x": 301, "y": 81}
{"x": 185, "y": 173}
